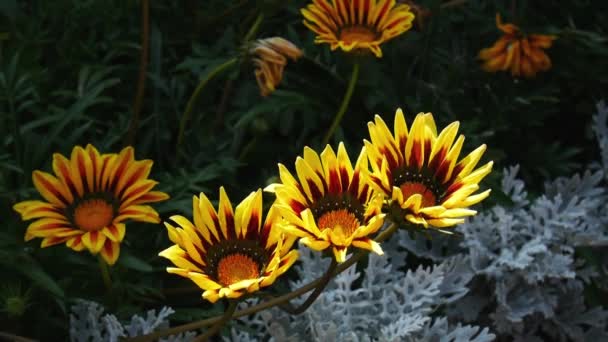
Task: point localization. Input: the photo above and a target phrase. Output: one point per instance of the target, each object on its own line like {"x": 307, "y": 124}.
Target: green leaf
{"x": 130, "y": 261}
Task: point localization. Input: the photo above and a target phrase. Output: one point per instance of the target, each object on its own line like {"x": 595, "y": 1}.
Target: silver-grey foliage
{"x": 88, "y": 323}
{"x": 528, "y": 280}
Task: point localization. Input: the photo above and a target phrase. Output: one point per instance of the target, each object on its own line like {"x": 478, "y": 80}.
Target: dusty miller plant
{"x": 378, "y": 303}
{"x": 529, "y": 280}
{"x": 88, "y": 323}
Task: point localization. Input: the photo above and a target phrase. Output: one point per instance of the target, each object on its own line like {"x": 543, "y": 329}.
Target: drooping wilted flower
{"x": 229, "y": 253}
{"x": 270, "y": 59}
{"x": 88, "y": 199}
{"x": 521, "y": 54}
{"x": 357, "y": 25}
{"x": 332, "y": 204}
{"x": 420, "y": 172}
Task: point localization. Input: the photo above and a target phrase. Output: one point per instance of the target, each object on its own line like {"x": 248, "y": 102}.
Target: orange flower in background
{"x": 522, "y": 54}
{"x": 270, "y": 60}
{"x": 88, "y": 198}
{"x": 357, "y": 25}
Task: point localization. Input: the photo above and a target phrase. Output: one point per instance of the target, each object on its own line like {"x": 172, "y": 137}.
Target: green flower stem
{"x": 349, "y": 93}
{"x": 254, "y": 28}
{"x": 217, "y": 326}
{"x": 313, "y": 296}
{"x": 141, "y": 79}
{"x": 105, "y": 273}
{"x": 385, "y": 234}
{"x": 195, "y": 95}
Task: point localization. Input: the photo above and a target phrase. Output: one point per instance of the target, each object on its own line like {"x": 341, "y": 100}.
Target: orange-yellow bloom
{"x": 88, "y": 199}
{"x": 517, "y": 52}
{"x": 270, "y": 59}
{"x": 227, "y": 252}
{"x": 357, "y": 25}
{"x": 331, "y": 204}
{"x": 419, "y": 171}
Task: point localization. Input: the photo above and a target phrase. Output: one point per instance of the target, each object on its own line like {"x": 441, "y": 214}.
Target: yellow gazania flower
{"x": 270, "y": 59}
{"x": 332, "y": 204}
{"x": 419, "y": 170}
{"x": 522, "y": 54}
{"x": 88, "y": 200}
{"x": 357, "y": 25}
{"x": 228, "y": 253}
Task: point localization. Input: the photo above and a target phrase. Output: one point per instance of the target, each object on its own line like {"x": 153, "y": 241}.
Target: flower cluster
{"x": 411, "y": 178}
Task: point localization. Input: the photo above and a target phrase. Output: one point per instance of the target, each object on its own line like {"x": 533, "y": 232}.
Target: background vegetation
{"x": 69, "y": 75}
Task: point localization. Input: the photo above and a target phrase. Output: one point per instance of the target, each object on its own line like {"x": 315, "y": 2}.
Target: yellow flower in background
{"x": 88, "y": 198}
{"x": 270, "y": 59}
{"x": 357, "y": 25}
{"x": 229, "y": 253}
{"x": 517, "y": 52}
{"x": 420, "y": 172}
{"x": 331, "y": 204}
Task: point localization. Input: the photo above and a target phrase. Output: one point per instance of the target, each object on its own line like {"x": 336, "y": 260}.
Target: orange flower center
{"x": 411, "y": 188}
{"x": 341, "y": 221}
{"x": 236, "y": 267}
{"x": 93, "y": 214}
{"x": 358, "y": 34}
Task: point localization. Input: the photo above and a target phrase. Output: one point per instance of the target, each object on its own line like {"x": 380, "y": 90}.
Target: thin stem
{"x": 15, "y": 338}
{"x": 195, "y": 95}
{"x": 254, "y": 28}
{"x": 143, "y": 65}
{"x": 385, "y": 234}
{"x": 313, "y": 296}
{"x": 349, "y": 93}
{"x": 217, "y": 326}
{"x": 452, "y": 3}
{"x": 17, "y": 139}
{"x": 105, "y": 273}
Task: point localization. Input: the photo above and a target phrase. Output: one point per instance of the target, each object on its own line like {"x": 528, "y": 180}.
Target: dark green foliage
{"x": 68, "y": 76}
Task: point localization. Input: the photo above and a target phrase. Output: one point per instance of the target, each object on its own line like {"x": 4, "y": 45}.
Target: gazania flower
{"x": 89, "y": 198}
{"x": 420, "y": 172}
{"x": 270, "y": 59}
{"x": 357, "y": 25}
{"x": 229, "y": 253}
{"x": 332, "y": 204}
{"x": 522, "y": 54}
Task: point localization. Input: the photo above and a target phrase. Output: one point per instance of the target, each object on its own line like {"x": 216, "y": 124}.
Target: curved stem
{"x": 217, "y": 326}
{"x": 143, "y": 65}
{"x": 385, "y": 234}
{"x": 313, "y": 296}
{"x": 254, "y": 28}
{"x": 105, "y": 273}
{"x": 349, "y": 93}
{"x": 195, "y": 95}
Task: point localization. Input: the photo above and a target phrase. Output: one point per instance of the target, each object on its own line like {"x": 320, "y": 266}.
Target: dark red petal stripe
{"x": 382, "y": 13}
{"x": 83, "y": 171}
{"x": 296, "y": 206}
{"x": 94, "y": 167}
{"x": 230, "y": 228}
{"x": 49, "y": 187}
{"x": 65, "y": 172}
{"x": 314, "y": 190}
{"x": 335, "y": 186}
{"x": 253, "y": 226}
